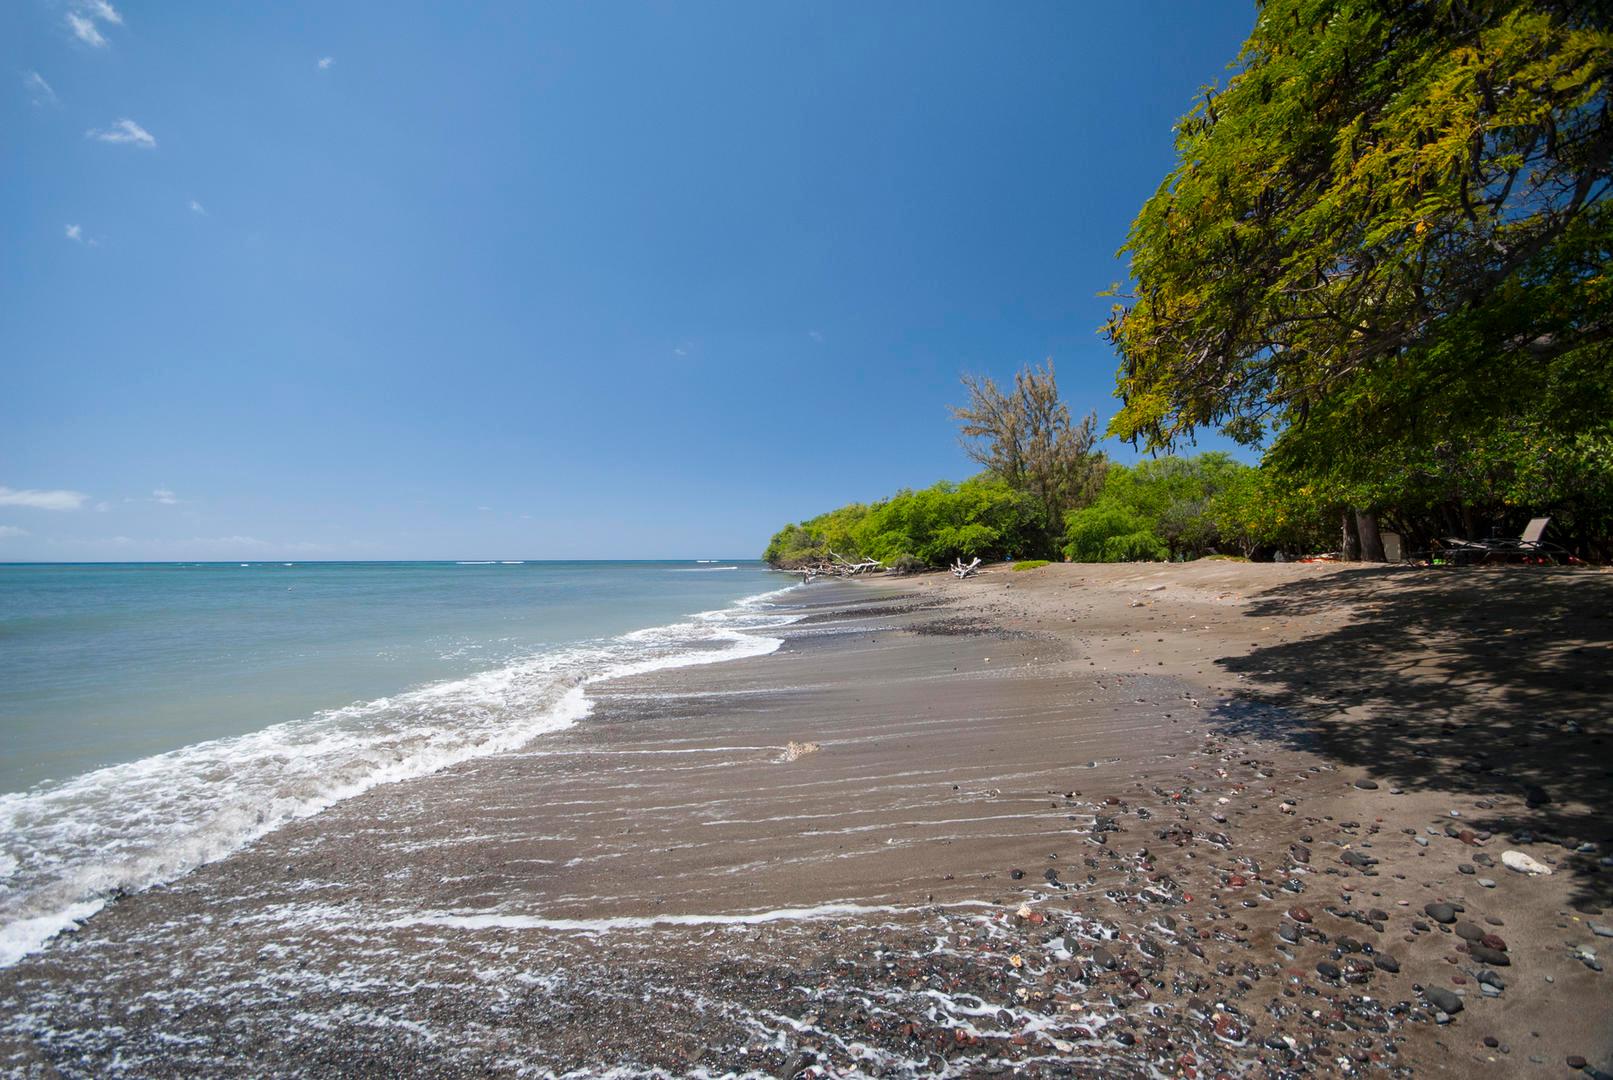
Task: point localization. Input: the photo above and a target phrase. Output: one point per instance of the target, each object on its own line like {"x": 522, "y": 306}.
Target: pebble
{"x": 1601, "y": 931}
{"x": 1439, "y": 912}
{"x": 1488, "y": 883}
{"x": 1448, "y": 1001}
{"x": 1367, "y": 785}
{"x": 1524, "y": 864}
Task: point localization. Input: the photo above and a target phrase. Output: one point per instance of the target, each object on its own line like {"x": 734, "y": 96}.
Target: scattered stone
{"x": 1524, "y": 864}
{"x": 1440, "y": 913}
{"x": 1447, "y": 1001}
{"x": 1367, "y": 785}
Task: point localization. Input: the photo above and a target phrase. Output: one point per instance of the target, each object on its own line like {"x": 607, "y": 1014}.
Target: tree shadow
{"x": 1491, "y": 681}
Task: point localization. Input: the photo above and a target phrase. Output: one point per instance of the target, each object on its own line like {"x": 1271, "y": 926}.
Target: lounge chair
{"x": 1529, "y": 544}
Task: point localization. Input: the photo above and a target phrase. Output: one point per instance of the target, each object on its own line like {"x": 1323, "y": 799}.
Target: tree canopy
{"x": 1388, "y": 232}
{"x": 1026, "y": 439}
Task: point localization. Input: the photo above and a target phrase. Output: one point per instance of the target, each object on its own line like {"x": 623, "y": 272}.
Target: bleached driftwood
{"x": 960, "y": 571}
{"x": 839, "y": 566}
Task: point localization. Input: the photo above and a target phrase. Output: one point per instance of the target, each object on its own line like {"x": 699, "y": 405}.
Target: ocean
{"x": 156, "y": 717}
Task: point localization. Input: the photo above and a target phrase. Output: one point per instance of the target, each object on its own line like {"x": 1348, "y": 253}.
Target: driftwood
{"x": 839, "y": 566}
{"x": 960, "y": 571}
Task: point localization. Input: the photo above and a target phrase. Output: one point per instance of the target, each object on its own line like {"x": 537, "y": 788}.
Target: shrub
{"x": 1029, "y": 564}
{"x": 1111, "y": 533}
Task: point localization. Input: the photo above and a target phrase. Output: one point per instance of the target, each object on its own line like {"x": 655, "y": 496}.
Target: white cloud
{"x": 42, "y": 500}
{"x": 11, "y": 530}
{"x": 816, "y": 335}
{"x": 84, "y": 29}
{"x": 164, "y": 496}
{"x": 198, "y": 208}
{"x": 75, "y": 233}
{"x": 680, "y": 351}
{"x": 39, "y": 91}
{"x": 325, "y": 62}
{"x": 84, "y": 16}
{"x": 124, "y": 131}
{"x": 100, "y": 9}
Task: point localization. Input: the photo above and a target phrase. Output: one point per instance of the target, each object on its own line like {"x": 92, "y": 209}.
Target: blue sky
{"x": 412, "y": 280}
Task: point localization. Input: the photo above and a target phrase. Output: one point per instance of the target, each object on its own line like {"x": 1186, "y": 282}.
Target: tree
{"x": 1391, "y": 223}
{"x": 1168, "y": 499}
{"x": 1025, "y": 438}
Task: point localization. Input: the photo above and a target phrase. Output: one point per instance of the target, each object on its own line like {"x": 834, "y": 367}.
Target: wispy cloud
{"x": 325, "y": 62}
{"x": 126, "y": 132}
{"x": 164, "y": 496}
{"x": 39, "y": 91}
{"x": 11, "y": 530}
{"x": 816, "y": 335}
{"x": 84, "y": 29}
{"x": 42, "y": 500}
{"x": 86, "y": 14}
{"x": 100, "y": 9}
{"x": 198, "y": 208}
{"x": 74, "y": 233}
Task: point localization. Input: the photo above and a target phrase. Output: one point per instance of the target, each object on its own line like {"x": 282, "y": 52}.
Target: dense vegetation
{"x": 1383, "y": 252}
{"x": 1382, "y": 258}
{"x": 981, "y": 517}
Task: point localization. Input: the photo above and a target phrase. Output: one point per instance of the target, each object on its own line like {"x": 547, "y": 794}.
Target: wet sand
{"x": 1063, "y": 822}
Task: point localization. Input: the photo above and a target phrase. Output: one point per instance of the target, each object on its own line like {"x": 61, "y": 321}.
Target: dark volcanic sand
{"x": 1025, "y": 845}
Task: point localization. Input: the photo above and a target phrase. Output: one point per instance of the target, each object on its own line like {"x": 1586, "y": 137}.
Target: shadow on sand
{"x": 1494, "y": 682}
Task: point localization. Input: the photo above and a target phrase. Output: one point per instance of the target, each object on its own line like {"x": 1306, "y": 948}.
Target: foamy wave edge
{"x": 86, "y": 889}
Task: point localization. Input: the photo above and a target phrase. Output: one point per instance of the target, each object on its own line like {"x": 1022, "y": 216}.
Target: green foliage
{"x": 1110, "y": 532}
{"x": 1376, "y": 182}
{"x": 812, "y": 540}
{"x": 1189, "y": 507}
{"x": 1025, "y": 438}
{"x": 1385, "y": 243}
{"x": 1258, "y": 510}
{"x": 1030, "y": 564}
{"x": 980, "y": 517}
{"x": 933, "y": 525}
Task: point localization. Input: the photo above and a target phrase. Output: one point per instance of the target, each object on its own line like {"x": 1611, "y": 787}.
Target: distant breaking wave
{"x": 65, "y": 849}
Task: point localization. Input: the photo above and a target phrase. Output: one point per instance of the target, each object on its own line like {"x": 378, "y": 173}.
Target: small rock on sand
{"x": 795, "y": 750}
{"x": 1524, "y": 864}
{"x": 1444, "y": 1000}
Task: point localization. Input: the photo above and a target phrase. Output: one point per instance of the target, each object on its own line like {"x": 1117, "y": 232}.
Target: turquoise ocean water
{"x": 154, "y": 717}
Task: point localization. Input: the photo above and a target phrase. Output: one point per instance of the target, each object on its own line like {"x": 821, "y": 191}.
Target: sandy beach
{"x": 1194, "y": 820}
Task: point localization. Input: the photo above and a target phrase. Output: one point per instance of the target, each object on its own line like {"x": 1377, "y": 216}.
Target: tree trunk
{"x": 1366, "y": 526}
{"x": 1351, "y": 550}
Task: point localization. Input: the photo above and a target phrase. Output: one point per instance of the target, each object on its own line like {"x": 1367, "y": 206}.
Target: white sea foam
{"x": 65, "y": 848}
{"x": 506, "y": 921}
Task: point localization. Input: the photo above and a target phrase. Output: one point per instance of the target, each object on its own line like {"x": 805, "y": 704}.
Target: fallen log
{"x": 839, "y": 566}
{"x": 960, "y": 571}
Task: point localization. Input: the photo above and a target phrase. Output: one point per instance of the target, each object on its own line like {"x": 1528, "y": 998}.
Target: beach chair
{"x": 1529, "y": 544}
